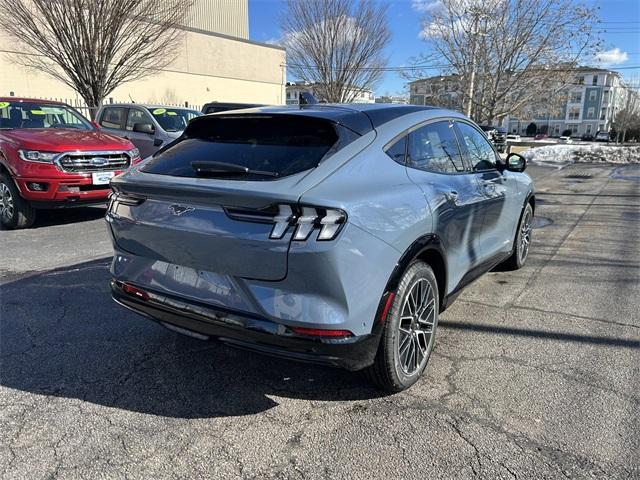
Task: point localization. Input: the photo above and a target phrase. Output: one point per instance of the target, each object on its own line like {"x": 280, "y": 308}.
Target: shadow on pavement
{"x": 545, "y": 334}
{"x": 62, "y": 335}
{"x": 64, "y": 216}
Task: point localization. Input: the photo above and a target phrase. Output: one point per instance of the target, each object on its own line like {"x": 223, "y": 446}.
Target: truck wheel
{"x": 15, "y": 212}
{"x": 409, "y": 331}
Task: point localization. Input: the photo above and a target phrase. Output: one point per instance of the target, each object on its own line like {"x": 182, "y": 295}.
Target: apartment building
{"x": 217, "y": 62}
{"x": 438, "y": 91}
{"x": 587, "y": 105}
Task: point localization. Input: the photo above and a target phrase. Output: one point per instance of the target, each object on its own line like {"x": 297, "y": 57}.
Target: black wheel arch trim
{"x": 531, "y": 198}
{"x": 424, "y": 244}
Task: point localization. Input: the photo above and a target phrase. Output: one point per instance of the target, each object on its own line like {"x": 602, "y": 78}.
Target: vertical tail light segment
{"x": 305, "y": 220}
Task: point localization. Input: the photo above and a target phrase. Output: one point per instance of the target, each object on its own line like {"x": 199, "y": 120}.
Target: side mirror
{"x": 144, "y": 128}
{"x": 516, "y": 162}
{"x": 96, "y": 125}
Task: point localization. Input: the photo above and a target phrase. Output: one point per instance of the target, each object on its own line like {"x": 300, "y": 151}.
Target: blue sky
{"x": 620, "y": 24}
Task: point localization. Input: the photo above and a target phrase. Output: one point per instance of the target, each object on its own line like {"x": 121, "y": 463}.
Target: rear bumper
{"x": 251, "y": 332}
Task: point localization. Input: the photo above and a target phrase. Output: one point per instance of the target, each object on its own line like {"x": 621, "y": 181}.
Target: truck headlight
{"x": 37, "y": 156}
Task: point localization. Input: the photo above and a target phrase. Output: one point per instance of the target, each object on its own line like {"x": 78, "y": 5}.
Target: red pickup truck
{"x": 52, "y": 157}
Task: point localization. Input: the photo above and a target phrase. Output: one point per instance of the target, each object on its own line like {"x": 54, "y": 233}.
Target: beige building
{"x": 217, "y": 62}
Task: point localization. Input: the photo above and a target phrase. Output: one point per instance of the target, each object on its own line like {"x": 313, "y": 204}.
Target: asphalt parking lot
{"x": 536, "y": 373}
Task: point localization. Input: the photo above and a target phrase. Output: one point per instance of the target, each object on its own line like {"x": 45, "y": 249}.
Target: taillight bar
{"x": 305, "y": 220}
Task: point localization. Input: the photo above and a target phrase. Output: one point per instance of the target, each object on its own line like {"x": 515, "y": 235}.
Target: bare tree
{"x": 338, "y": 45}
{"x": 507, "y": 53}
{"x": 94, "y": 45}
{"x": 627, "y": 120}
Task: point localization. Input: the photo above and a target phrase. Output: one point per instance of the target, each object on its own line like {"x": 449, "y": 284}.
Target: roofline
{"x": 146, "y": 105}
{"x": 581, "y": 69}
{"x": 29, "y": 99}
{"x": 231, "y": 37}
{"x": 313, "y": 84}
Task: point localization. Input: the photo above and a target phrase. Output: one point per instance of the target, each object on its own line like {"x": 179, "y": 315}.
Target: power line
{"x": 440, "y": 66}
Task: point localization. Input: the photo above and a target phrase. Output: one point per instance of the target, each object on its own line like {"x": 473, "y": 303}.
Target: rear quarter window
{"x": 112, "y": 117}
{"x": 278, "y": 144}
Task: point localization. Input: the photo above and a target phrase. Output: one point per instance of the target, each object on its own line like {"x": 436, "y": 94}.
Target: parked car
{"x": 602, "y": 136}
{"x": 514, "y": 137}
{"x": 497, "y": 136}
{"x": 541, "y": 136}
{"x": 277, "y": 230}
{"x": 587, "y": 137}
{"x": 51, "y": 156}
{"x": 215, "y": 107}
{"x": 565, "y": 139}
{"x": 149, "y": 127}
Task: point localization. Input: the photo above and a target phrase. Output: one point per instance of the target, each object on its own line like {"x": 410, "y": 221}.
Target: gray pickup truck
{"x": 148, "y": 127}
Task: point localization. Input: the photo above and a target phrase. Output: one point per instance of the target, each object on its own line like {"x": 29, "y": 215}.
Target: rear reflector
{"x": 135, "y": 291}
{"x": 318, "y": 332}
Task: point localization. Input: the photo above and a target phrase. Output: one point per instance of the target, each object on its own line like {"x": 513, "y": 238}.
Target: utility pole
{"x": 474, "y": 50}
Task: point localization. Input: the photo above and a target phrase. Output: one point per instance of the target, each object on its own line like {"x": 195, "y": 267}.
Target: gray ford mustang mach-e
{"x": 331, "y": 233}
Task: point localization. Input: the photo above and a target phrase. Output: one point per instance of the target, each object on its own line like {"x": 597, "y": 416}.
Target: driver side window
{"x": 476, "y": 148}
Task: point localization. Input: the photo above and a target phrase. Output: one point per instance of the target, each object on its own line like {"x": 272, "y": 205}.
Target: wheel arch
{"x": 3, "y": 167}
{"x": 428, "y": 249}
{"x": 531, "y": 200}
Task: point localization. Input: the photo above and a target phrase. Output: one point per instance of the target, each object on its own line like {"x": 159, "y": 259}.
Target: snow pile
{"x": 568, "y": 153}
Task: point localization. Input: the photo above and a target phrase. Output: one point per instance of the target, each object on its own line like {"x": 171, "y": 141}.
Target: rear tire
{"x": 522, "y": 241}
{"x": 409, "y": 331}
{"x": 15, "y": 212}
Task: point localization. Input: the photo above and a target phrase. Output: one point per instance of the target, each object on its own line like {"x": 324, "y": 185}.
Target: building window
{"x": 575, "y": 97}
{"x": 603, "y": 114}
{"x": 591, "y": 112}
{"x": 593, "y": 94}
{"x": 588, "y": 128}
{"x": 573, "y": 128}
{"x": 581, "y": 80}
{"x": 595, "y": 79}
{"x": 574, "y": 113}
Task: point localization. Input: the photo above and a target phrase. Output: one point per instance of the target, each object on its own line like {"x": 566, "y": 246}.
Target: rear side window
{"x": 112, "y": 117}
{"x": 397, "y": 150}
{"x": 434, "y": 148}
{"x": 269, "y": 146}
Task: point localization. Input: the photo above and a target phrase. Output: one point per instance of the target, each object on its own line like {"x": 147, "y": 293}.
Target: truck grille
{"x": 94, "y": 161}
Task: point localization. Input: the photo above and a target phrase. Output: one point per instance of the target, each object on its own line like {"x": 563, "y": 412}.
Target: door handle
{"x": 453, "y": 196}
{"x": 494, "y": 180}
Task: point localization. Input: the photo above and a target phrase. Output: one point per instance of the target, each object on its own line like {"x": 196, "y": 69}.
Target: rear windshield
{"x": 269, "y": 146}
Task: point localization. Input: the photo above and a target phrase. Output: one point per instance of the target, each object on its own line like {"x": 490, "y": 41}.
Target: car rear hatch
{"x": 211, "y": 200}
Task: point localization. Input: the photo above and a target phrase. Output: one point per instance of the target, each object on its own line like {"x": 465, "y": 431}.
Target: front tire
{"x": 15, "y": 212}
{"x": 409, "y": 331}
